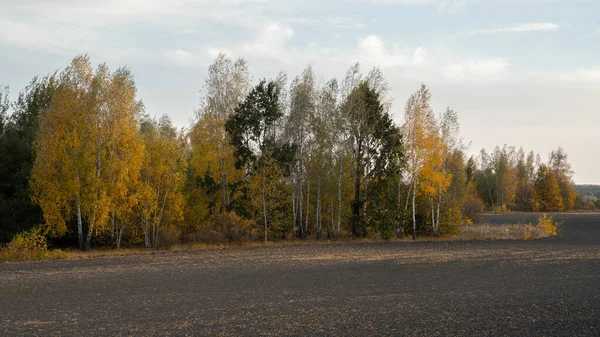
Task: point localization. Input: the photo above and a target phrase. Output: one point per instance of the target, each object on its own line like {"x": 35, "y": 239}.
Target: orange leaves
{"x": 88, "y": 148}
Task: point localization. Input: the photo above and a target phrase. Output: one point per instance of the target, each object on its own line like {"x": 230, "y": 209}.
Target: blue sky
{"x": 518, "y": 72}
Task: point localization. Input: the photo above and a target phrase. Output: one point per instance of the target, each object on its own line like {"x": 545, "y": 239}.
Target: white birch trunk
{"x": 413, "y": 209}
{"x": 339, "y": 217}
{"x": 79, "y": 222}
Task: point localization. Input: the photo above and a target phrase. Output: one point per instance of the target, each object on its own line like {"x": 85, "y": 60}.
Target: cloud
{"x": 522, "y": 27}
{"x": 450, "y": 6}
{"x": 582, "y": 76}
{"x": 480, "y": 69}
{"x": 271, "y": 40}
{"x": 373, "y": 50}
{"x": 345, "y": 22}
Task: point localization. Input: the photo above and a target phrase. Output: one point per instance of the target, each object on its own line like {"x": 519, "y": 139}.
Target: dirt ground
{"x": 548, "y": 287}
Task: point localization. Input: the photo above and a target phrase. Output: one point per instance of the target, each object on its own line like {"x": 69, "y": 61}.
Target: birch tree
{"x": 225, "y": 87}
{"x": 83, "y": 147}
{"x": 161, "y": 179}
{"x": 298, "y": 130}
{"x": 419, "y": 131}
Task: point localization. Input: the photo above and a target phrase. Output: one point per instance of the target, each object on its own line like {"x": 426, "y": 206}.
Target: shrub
{"x": 232, "y": 227}
{"x": 548, "y": 224}
{"x": 168, "y": 237}
{"x": 225, "y": 227}
{"x": 29, "y": 240}
{"x": 29, "y": 246}
{"x": 472, "y": 208}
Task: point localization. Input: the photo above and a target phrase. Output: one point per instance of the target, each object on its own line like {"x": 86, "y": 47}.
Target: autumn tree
{"x": 83, "y": 146}
{"x": 564, "y": 176}
{"x": 525, "y": 197}
{"x": 160, "y": 190}
{"x": 303, "y": 103}
{"x": 547, "y": 190}
{"x": 420, "y": 139}
{"x": 212, "y": 154}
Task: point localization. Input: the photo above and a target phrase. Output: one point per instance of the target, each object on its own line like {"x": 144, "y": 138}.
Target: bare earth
{"x": 548, "y": 287}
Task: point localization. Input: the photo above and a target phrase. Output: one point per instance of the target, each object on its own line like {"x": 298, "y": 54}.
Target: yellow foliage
{"x": 548, "y": 224}
{"x": 29, "y": 246}
{"x": 160, "y": 191}
{"x": 88, "y": 150}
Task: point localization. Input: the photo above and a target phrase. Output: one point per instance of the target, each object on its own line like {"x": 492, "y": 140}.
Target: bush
{"x": 225, "y": 227}
{"x": 548, "y": 225}
{"x": 232, "y": 227}
{"x": 29, "y": 246}
{"x": 472, "y": 208}
{"x": 168, "y": 237}
{"x": 29, "y": 240}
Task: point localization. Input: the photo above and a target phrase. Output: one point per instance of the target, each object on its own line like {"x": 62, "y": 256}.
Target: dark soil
{"x": 548, "y": 287}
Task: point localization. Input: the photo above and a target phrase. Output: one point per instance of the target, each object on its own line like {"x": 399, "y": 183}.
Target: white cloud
{"x": 345, "y": 22}
{"x": 582, "y": 76}
{"x": 271, "y": 40}
{"x": 479, "y": 69}
{"x": 450, "y": 6}
{"x": 523, "y": 27}
{"x": 372, "y": 49}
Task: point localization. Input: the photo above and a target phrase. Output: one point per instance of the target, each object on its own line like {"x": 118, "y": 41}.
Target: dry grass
{"x": 503, "y": 232}
{"x": 13, "y": 255}
{"x": 28, "y": 250}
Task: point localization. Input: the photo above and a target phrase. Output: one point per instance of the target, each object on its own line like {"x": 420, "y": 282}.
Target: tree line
{"x": 280, "y": 159}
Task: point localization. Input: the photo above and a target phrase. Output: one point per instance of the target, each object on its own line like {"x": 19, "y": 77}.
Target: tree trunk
{"x": 294, "y": 215}
{"x": 318, "y": 212}
{"x": 339, "y": 217}
{"x": 79, "y": 223}
{"x": 120, "y": 234}
{"x": 414, "y": 233}
{"x": 307, "y": 205}
{"x": 88, "y": 238}
{"x": 264, "y": 202}
{"x": 356, "y": 206}
{"x": 112, "y": 229}
{"x": 300, "y": 209}
{"x": 363, "y": 224}
{"x": 147, "y": 243}
{"x": 438, "y": 211}
{"x": 433, "y": 217}
{"x": 157, "y": 222}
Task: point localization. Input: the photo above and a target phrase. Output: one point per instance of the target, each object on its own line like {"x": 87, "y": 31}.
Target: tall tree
{"x": 420, "y": 136}
{"x": 252, "y": 130}
{"x": 303, "y": 97}
{"x": 525, "y": 198}
{"x": 375, "y": 144}
{"x": 564, "y": 175}
{"x": 225, "y": 87}
{"x": 17, "y": 212}
{"x": 548, "y": 191}
{"x": 4, "y": 105}
{"x": 162, "y": 177}
{"x": 82, "y": 147}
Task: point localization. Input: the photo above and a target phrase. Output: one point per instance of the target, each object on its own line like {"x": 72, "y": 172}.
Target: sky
{"x": 519, "y": 72}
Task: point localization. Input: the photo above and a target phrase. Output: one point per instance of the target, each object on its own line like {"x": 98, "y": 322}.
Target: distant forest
{"x": 83, "y": 165}
{"x": 588, "y": 192}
